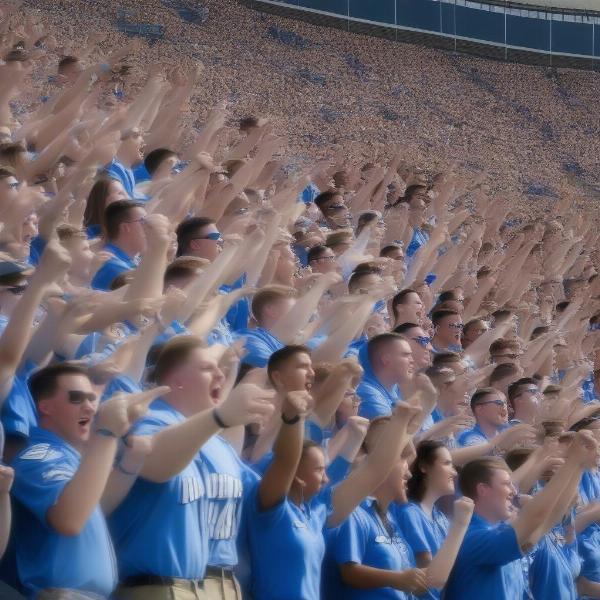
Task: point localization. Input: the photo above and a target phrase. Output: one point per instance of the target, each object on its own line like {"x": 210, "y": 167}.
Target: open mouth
{"x": 215, "y": 393}
{"x": 308, "y": 386}
{"x": 84, "y": 422}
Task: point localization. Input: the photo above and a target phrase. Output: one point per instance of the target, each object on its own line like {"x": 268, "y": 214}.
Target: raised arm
{"x": 287, "y": 450}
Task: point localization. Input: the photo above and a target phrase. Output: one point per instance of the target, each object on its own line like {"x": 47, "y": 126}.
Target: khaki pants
{"x": 222, "y": 588}
{"x": 178, "y": 591}
{"x": 58, "y": 594}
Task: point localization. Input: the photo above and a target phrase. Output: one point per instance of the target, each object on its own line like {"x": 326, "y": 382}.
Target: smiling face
{"x": 311, "y": 472}
{"x": 70, "y": 410}
{"x": 441, "y": 474}
{"x": 448, "y": 331}
{"x": 496, "y": 497}
{"x": 491, "y": 410}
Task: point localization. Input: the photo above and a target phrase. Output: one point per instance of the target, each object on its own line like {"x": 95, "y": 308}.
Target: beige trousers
{"x": 221, "y": 588}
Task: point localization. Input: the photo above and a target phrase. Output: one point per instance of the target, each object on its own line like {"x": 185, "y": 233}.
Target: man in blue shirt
{"x": 489, "y": 561}
{"x": 125, "y": 239}
{"x": 489, "y": 408}
{"x": 62, "y": 541}
{"x": 524, "y": 398}
{"x": 188, "y": 494}
{"x": 129, "y": 154}
{"x": 387, "y": 362}
{"x": 448, "y": 327}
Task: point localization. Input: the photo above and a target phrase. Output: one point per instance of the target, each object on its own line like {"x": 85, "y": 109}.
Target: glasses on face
{"x": 458, "y": 326}
{"x": 324, "y": 258}
{"x": 17, "y": 290}
{"x": 498, "y": 403}
{"x": 422, "y": 340}
{"x": 532, "y": 390}
{"x": 141, "y": 220}
{"x": 79, "y": 396}
{"x": 241, "y": 211}
{"x": 215, "y": 237}
{"x": 336, "y": 207}
{"x": 509, "y": 356}
{"x": 15, "y": 185}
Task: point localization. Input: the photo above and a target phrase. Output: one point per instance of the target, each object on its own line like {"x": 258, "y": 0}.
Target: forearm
{"x": 83, "y": 493}
{"x": 590, "y": 514}
{"x": 117, "y": 488}
{"x": 441, "y": 564}
{"x": 588, "y": 588}
{"x": 175, "y": 447}
{"x": 462, "y": 456}
{"x": 365, "y": 578}
{"x": 148, "y": 277}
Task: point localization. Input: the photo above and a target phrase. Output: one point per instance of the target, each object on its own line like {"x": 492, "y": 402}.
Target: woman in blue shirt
{"x": 423, "y": 524}
{"x": 103, "y": 192}
{"x": 290, "y": 508}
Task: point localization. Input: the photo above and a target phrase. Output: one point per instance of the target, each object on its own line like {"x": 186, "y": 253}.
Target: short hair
{"x": 480, "y": 394}
{"x": 400, "y": 297}
{"x": 16, "y": 55}
{"x": 316, "y": 252}
{"x": 121, "y": 280}
{"x": 67, "y": 232}
{"x": 513, "y": 388}
{"x": 248, "y": 122}
{"x": 552, "y": 389}
{"x": 154, "y": 159}
{"x": 183, "y": 266}
{"x": 434, "y": 372}
{"x": 539, "y": 331}
{"x": 447, "y": 295}
{"x": 341, "y": 236}
{"x": 517, "y": 457}
{"x": 426, "y": 455}
{"x": 187, "y": 230}
{"x": 325, "y": 197}
{"x": 502, "y": 371}
{"x": 502, "y": 344}
{"x": 6, "y": 172}
{"x": 281, "y": 356}
{"x": 172, "y": 354}
{"x": 9, "y": 153}
{"x": 501, "y": 315}
{"x": 117, "y": 213}
{"x": 562, "y": 306}
{"x": 412, "y": 190}
{"x": 66, "y": 61}
{"x": 44, "y": 383}
{"x": 479, "y": 471}
{"x": 446, "y": 358}
{"x": 404, "y": 327}
{"x": 96, "y": 201}
{"x": 584, "y": 423}
{"x": 355, "y": 278}
{"x": 379, "y": 342}
{"x": 473, "y": 322}
{"x": 365, "y": 218}
{"x": 442, "y": 313}
{"x": 387, "y": 250}
{"x": 268, "y": 295}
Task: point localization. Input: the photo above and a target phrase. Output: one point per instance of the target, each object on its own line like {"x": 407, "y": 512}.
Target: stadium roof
{"x": 593, "y": 5}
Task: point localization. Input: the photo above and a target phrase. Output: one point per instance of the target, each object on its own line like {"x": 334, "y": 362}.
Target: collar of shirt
{"x": 39, "y": 435}
{"x": 121, "y": 254}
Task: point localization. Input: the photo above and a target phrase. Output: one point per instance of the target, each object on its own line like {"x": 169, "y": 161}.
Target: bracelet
{"x": 218, "y": 419}
{"x": 120, "y": 468}
{"x": 106, "y": 432}
{"x": 291, "y": 421}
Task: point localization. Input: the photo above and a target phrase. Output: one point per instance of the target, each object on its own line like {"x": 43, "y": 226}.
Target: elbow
{"x": 436, "y": 582}
{"x": 68, "y": 528}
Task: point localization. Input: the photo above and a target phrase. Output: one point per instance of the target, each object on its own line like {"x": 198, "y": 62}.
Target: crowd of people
{"x": 223, "y": 380}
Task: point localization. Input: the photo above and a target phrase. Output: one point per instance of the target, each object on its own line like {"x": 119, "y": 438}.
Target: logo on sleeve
{"x": 41, "y": 452}
{"x": 59, "y": 474}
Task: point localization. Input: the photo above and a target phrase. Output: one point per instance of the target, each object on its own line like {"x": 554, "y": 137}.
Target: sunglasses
{"x": 498, "y": 403}
{"x": 336, "y": 207}
{"x": 455, "y": 326}
{"x": 79, "y": 396}
{"x": 422, "y": 340}
{"x": 510, "y": 356}
{"x": 327, "y": 258}
{"x": 17, "y": 290}
{"x": 215, "y": 237}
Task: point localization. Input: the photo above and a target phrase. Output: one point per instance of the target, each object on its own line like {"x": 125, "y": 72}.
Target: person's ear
{"x": 44, "y": 407}
{"x": 299, "y": 481}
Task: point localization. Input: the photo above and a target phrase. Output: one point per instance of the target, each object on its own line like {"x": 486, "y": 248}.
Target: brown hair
{"x": 479, "y": 471}
{"x": 268, "y": 295}
{"x": 173, "y": 354}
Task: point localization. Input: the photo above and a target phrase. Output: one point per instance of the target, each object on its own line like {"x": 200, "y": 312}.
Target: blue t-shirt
{"x": 19, "y": 413}
{"x": 488, "y": 564}
{"x": 364, "y": 539}
{"x": 287, "y": 546}
{"x": 588, "y": 543}
{"x": 553, "y": 568}
{"x": 161, "y": 528}
{"x": 419, "y": 239}
{"x": 120, "y": 262}
{"x": 120, "y": 172}
{"x": 45, "y": 558}
{"x": 423, "y": 534}
{"x": 472, "y": 437}
{"x": 228, "y": 480}
{"x": 260, "y": 344}
{"x": 239, "y": 313}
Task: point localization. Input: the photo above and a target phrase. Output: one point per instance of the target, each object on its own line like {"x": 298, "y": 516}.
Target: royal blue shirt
{"x": 588, "y": 543}
{"x": 287, "y": 546}
{"x": 488, "y": 564}
{"x": 19, "y": 413}
{"x": 422, "y": 533}
{"x": 260, "y": 344}
{"x": 45, "y": 558}
{"x": 228, "y": 480}
{"x": 120, "y": 262}
{"x": 554, "y": 566}
{"x": 474, "y": 436}
{"x": 120, "y": 172}
{"x": 365, "y": 540}
{"x": 161, "y": 528}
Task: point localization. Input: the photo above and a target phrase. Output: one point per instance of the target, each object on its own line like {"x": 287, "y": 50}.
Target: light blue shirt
{"x": 45, "y": 558}
{"x": 120, "y": 262}
{"x": 260, "y": 344}
{"x": 488, "y": 564}
{"x": 161, "y": 528}
{"x": 19, "y": 413}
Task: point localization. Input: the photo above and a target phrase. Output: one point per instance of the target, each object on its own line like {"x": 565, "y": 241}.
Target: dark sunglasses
{"x": 79, "y": 396}
{"x": 17, "y": 290}
{"x": 327, "y": 258}
{"x": 215, "y": 237}
{"x": 422, "y": 340}
{"x": 336, "y": 207}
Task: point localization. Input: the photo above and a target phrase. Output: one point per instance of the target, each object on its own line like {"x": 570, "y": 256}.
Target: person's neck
{"x": 439, "y": 343}
{"x": 386, "y": 379}
{"x": 384, "y": 498}
{"x": 49, "y": 426}
{"x": 181, "y": 403}
{"x": 490, "y": 430}
{"x": 429, "y": 499}
{"x": 524, "y": 417}
{"x": 124, "y": 160}
{"x": 122, "y": 244}
{"x": 447, "y": 408}
{"x": 486, "y": 513}
{"x": 296, "y": 494}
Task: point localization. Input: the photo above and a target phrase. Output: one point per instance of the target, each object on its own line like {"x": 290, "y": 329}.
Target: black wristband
{"x": 218, "y": 419}
{"x": 291, "y": 421}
